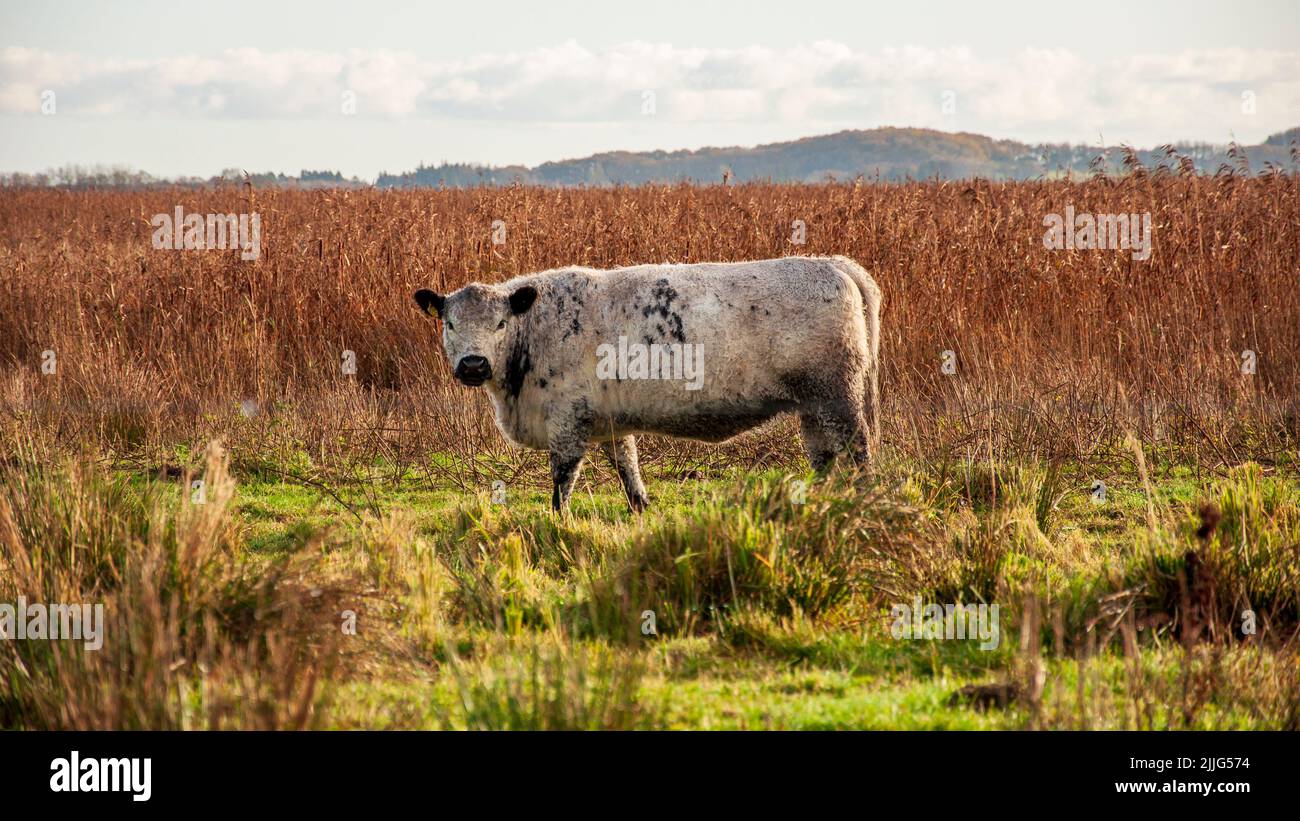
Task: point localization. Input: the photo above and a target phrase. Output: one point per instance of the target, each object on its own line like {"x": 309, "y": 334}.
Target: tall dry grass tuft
{"x": 195, "y": 633}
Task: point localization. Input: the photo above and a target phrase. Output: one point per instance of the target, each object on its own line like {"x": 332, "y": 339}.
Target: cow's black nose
{"x": 473, "y": 370}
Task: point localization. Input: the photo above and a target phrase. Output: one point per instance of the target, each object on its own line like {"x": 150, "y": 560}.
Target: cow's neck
{"x": 508, "y": 394}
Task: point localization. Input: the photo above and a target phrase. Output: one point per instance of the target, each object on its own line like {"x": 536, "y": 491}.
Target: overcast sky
{"x": 183, "y": 88}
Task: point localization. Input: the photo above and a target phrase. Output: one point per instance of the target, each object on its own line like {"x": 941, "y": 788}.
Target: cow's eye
{"x": 501, "y": 324}
{"x": 451, "y": 327}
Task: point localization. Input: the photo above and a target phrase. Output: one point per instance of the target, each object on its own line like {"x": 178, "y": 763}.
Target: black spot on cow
{"x": 575, "y": 328}
{"x": 662, "y": 296}
{"x": 676, "y": 322}
{"x": 518, "y": 364}
{"x": 541, "y": 383}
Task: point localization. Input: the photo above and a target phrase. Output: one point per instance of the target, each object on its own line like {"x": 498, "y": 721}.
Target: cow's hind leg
{"x": 622, "y": 454}
{"x": 831, "y": 428}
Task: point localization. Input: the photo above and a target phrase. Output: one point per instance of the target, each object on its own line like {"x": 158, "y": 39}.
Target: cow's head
{"x": 476, "y": 324}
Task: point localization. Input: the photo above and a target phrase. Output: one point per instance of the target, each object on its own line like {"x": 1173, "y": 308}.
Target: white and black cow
{"x": 577, "y": 356}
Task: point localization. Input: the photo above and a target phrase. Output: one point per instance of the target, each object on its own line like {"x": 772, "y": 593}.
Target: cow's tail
{"x": 871, "y": 299}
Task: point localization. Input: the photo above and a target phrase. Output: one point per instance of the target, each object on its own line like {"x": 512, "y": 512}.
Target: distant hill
{"x": 892, "y": 154}
{"x": 886, "y": 153}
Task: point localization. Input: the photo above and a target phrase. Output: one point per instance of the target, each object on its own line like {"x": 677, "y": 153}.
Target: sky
{"x": 363, "y": 87}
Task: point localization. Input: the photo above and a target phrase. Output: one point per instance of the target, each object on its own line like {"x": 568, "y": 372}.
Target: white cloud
{"x": 1037, "y": 93}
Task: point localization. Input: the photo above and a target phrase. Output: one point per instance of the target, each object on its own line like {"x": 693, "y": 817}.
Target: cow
{"x": 577, "y": 356}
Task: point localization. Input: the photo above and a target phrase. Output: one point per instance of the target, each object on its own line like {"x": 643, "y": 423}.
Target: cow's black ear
{"x": 522, "y": 299}
{"x": 429, "y": 301}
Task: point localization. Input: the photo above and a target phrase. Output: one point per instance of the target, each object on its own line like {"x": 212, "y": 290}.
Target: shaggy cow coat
{"x": 578, "y": 356}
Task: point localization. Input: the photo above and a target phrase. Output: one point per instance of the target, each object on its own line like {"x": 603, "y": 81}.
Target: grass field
{"x": 278, "y": 604}
{"x": 366, "y": 551}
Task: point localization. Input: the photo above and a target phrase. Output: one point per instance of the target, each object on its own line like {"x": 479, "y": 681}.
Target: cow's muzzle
{"x": 473, "y": 370}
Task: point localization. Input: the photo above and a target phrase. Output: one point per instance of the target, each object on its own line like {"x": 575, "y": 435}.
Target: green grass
{"x": 748, "y": 653}
{"x": 772, "y": 609}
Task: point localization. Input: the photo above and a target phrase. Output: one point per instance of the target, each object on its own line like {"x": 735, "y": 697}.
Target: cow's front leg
{"x": 622, "y": 454}
{"x": 568, "y": 446}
